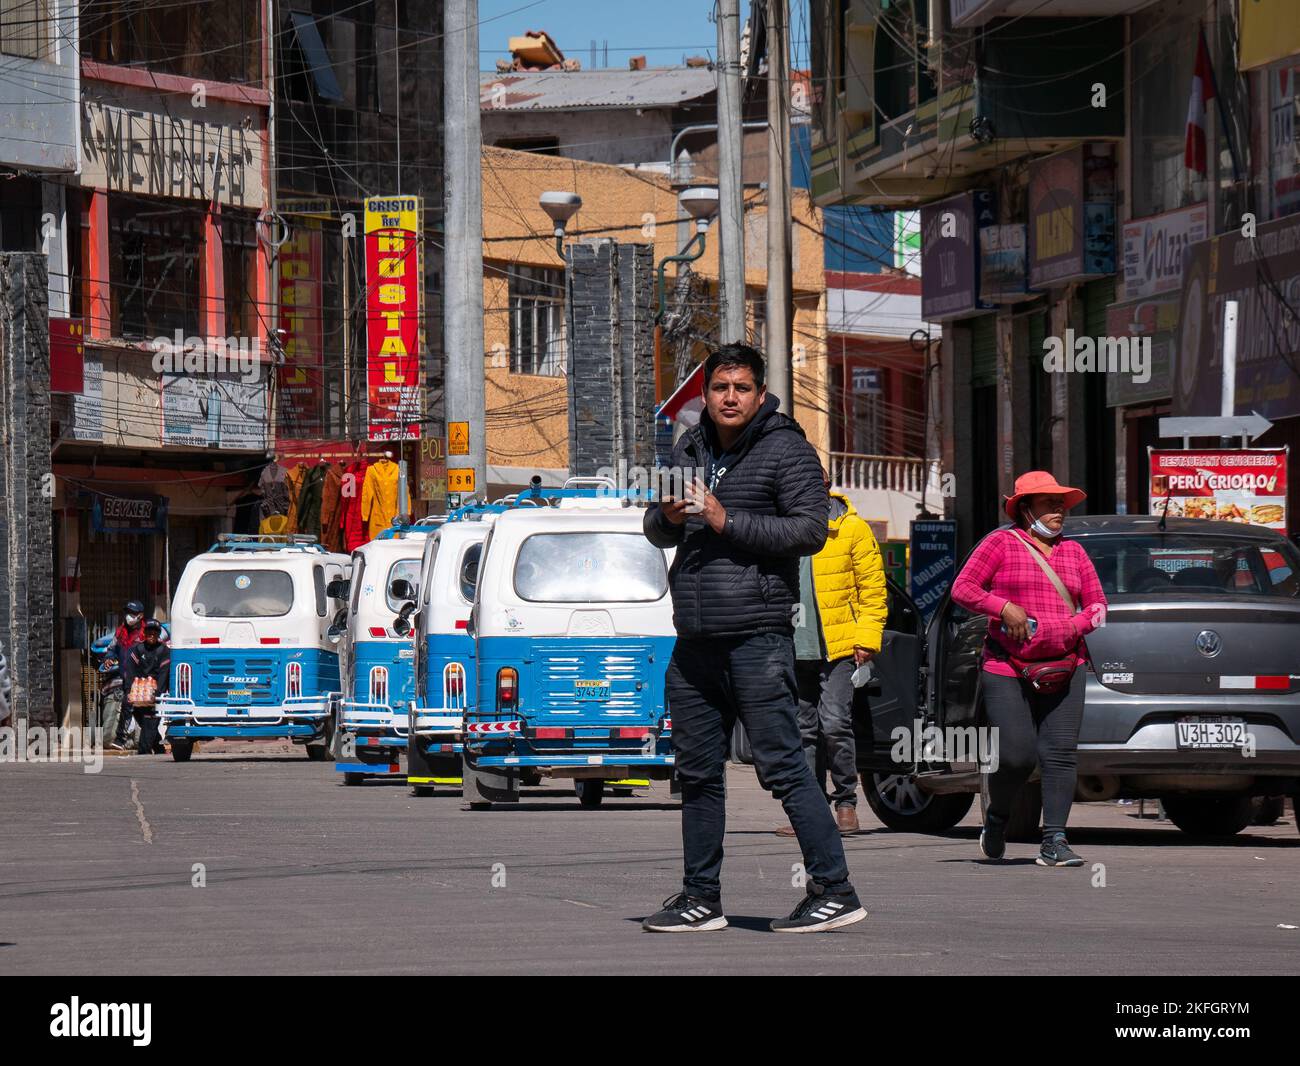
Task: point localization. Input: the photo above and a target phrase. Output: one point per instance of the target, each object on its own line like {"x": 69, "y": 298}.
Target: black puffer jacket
{"x": 745, "y": 580}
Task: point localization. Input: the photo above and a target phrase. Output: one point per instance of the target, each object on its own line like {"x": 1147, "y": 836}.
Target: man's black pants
{"x": 149, "y": 739}
{"x": 710, "y": 683}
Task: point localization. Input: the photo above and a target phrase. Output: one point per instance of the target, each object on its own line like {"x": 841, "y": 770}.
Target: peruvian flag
{"x": 1203, "y": 91}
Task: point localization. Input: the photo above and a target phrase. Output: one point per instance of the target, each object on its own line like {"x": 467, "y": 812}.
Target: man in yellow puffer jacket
{"x": 842, "y": 599}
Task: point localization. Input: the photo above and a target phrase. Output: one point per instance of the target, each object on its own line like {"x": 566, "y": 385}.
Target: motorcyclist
{"x": 151, "y": 658}
{"x": 130, "y": 632}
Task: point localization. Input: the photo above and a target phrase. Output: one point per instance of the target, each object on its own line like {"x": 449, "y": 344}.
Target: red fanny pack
{"x": 1046, "y": 675}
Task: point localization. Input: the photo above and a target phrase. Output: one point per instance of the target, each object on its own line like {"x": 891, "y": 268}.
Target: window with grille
{"x": 537, "y": 337}
{"x": 155, "y": 250}
{"x": 27, "y": 28}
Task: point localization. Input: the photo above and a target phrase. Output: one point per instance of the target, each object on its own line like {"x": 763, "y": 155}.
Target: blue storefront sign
{"x": 934, "y": 562}
{"x": 129, "y": 514}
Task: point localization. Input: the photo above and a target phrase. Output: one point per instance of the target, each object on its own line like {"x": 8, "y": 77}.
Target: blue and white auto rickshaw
{"x": 573, "y": 632}
{"x": 444, "y": 650}
{"x": 253, "y": 654}
{"x": 378, "y": 663}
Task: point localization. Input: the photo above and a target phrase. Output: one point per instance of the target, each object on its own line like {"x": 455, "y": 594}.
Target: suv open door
{"x": 890, "y": 716}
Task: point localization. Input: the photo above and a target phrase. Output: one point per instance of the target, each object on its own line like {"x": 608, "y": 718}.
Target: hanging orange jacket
{"x": 379, "y": 496}
{"x": 331, "y": 510}
{"x": 295, "y": 479}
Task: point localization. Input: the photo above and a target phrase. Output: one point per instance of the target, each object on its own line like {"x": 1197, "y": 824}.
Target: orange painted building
{"x": 524, "y": 290}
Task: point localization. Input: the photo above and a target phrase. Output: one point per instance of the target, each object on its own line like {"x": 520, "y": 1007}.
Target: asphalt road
{"x": 304, "y": 875}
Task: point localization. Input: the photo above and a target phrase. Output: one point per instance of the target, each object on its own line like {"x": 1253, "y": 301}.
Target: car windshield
{"x": 405, "y": 570}
{"x": 243, "y": 594}
{"x": 591, "y": 567}
{"x": 1192, "y": 564}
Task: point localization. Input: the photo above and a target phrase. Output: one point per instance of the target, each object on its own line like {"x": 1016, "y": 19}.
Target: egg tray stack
{"x": 144, "y": 691}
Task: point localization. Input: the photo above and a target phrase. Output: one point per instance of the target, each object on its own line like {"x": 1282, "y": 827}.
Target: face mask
{"x": 131, "y": 619}
{"x": 1044, "y": 532}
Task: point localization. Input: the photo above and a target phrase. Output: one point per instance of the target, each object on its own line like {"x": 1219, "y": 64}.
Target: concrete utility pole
{"x": 1228, "y": 387}
{"x": 731, "y": 190}
{"x": 780, "y": 295}
{"x": 463, "y": 235}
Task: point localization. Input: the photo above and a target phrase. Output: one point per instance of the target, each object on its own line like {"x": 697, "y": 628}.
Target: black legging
{"x": 1033, "y": 728}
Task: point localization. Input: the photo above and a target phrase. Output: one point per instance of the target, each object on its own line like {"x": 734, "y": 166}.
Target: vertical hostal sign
{"x": 394, "y": 309}
{"x": 300, "y": 377}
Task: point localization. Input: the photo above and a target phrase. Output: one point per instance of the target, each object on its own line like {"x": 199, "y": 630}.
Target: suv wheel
{"x": 1210, "y": 816}
{"x": 896, "y": 801}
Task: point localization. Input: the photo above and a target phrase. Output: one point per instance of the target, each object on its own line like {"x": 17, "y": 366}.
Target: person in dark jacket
{"x": 151, "y": 658}
{"x": 128, "y": 634}
{"x": 754, "y": 503}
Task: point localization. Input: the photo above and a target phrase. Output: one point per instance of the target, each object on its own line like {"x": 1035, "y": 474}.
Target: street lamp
{"x": 701, "y": 203}
{"x": 560, "y": 206}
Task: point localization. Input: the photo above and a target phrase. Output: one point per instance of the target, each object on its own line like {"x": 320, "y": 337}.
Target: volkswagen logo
{"x": 1208, "y": 643}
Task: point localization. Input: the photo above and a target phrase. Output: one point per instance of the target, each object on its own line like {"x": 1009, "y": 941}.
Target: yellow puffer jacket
{"x": 849, "y": 575}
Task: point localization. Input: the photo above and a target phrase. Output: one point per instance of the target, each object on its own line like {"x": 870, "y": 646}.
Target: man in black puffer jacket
{"x": 759, "y": 504}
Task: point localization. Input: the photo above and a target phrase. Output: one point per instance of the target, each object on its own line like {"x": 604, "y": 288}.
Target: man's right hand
{"x": 674, "y": 510}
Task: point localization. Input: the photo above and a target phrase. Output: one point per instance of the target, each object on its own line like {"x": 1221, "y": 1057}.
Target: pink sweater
{"x": 1000, "y": 570}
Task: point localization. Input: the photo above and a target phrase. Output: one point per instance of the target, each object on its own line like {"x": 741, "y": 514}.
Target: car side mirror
{"x": 339, "y": 588}
{"x": 401, "y": 589}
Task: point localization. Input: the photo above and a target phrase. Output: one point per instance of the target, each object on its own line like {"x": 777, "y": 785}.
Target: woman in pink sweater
{"x": 1007, "y": 579}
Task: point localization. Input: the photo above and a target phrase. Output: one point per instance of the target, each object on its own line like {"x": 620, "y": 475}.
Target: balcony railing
{"x": 892, "y": 473}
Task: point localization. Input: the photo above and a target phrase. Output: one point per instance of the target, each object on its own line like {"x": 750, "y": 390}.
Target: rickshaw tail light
{"x": 378, "y": 631}
{"x": 507, "y": 688}
{"x": 453, "y": 686}
{"x": 270, "y": 640}
{"x": 293, "y": 681}
{"x": 183, "y": 676}
{"x": 379, "y": 684}
{"x": 209, "y": 640}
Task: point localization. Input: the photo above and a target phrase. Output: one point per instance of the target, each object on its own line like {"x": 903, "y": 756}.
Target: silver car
{"x": 1193, "y": 697}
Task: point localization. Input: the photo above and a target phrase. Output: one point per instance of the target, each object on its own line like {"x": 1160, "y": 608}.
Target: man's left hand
{"x": 707, "y": 505}
{"x": 862, "y": 655}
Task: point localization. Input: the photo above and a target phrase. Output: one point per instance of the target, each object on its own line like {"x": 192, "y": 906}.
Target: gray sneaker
{"x": 1056, "y": 852}
{"x": 993, "y": 838}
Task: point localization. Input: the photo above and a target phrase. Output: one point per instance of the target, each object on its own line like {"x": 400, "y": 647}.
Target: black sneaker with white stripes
{"x": 686, "y": 914}
{"x": 821, "y": 911}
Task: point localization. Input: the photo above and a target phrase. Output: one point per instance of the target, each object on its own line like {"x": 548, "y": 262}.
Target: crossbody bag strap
{"x": 1052, "y": 575}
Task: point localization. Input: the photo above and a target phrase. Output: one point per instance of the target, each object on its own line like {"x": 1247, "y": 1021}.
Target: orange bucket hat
{"x": 1040, "y": 482}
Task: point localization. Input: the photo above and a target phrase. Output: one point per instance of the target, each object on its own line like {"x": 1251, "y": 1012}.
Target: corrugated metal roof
{"x": 557, "y": 90}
